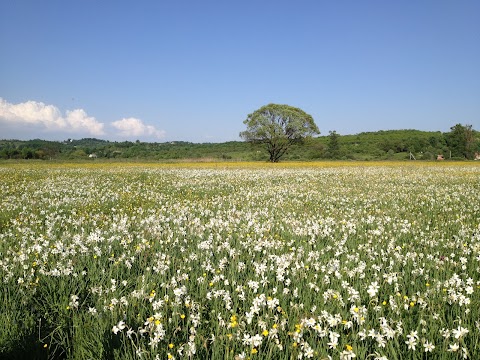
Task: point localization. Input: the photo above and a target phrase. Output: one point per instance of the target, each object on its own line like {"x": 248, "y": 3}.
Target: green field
{"x": 238, "y": 261}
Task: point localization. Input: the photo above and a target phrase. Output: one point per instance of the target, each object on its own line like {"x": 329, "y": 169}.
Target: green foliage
{"x": 278, "y": 127}
{"x": 462, "y": 141}
{"x": 333, "y": 149}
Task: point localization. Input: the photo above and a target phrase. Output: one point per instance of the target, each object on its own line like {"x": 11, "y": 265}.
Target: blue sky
{"x": 193, "y": 70}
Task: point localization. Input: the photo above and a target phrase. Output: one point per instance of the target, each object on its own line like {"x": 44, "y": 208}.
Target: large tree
{"x": 461, "y": 141}
{"x": 333, "y": 148}
{"x": 278, "y": 127}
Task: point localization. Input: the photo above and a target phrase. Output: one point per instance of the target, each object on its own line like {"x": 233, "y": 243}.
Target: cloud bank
{"x": 129, "y": 127}
{"x": 48, "y": 119}
{"x": 32, "y": 119}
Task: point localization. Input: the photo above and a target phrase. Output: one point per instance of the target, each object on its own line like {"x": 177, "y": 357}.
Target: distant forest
{"x": 462, "y": 142}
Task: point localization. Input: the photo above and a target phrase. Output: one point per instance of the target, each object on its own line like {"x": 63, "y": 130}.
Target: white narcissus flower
{"x": 373, "y": 289}
{"x": 453, "y": 347}
{"x": 459, "y": 332}
{"x": 119, "y": 327}
{"x": 428, "y": 346}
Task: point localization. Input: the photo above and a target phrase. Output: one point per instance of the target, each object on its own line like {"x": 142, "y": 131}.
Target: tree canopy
{"x": 278, "y": 127}
{"x": 461, "y": 141}
{"x": 333, "y": 147}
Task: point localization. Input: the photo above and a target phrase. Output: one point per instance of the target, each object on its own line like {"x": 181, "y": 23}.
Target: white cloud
{"x": 79, "y": 120}
{"x": 47, "y": 118}
{"x": 132, "y": 127}
{"x": 33, "y": 119}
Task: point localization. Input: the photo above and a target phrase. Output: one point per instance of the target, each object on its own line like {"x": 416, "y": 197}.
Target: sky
{"x": 189, "y": 70}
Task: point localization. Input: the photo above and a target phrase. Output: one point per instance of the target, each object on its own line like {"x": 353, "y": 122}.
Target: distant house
{"x": 93, "y": 156}
{"x": 477, "y": 156}
{"x": 440, "y": 157}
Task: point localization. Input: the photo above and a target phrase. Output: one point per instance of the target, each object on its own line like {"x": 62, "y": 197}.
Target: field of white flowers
{"x": 150, "y": 262}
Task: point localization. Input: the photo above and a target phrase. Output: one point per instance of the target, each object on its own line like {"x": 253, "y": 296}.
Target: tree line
{"x": 278, "y": 127}
{"x": 460, "y": 143}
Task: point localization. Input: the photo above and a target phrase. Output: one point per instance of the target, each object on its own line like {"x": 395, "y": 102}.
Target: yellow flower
{"x": 233, "y": 321}
{"x": 294, "y": 344}
{"x": 254, "y": 351}
{"x": 45, "y": 346}
{"x": 384, "y": 302}
{"x": 412, "y": 304}
{"x": 157, "y": 322}
{"x": 348, "y": 347}
{"x": 171, "y": 346}
{"x": 182, "y": 316}
{"x": 265, "y": 332}
{"x": 170, "y": 356}
{"x": 356, "y": 310}
{"x": 274, "y": 326}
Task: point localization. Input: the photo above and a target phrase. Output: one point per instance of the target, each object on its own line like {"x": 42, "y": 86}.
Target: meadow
{"x": 240, "y": 261}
